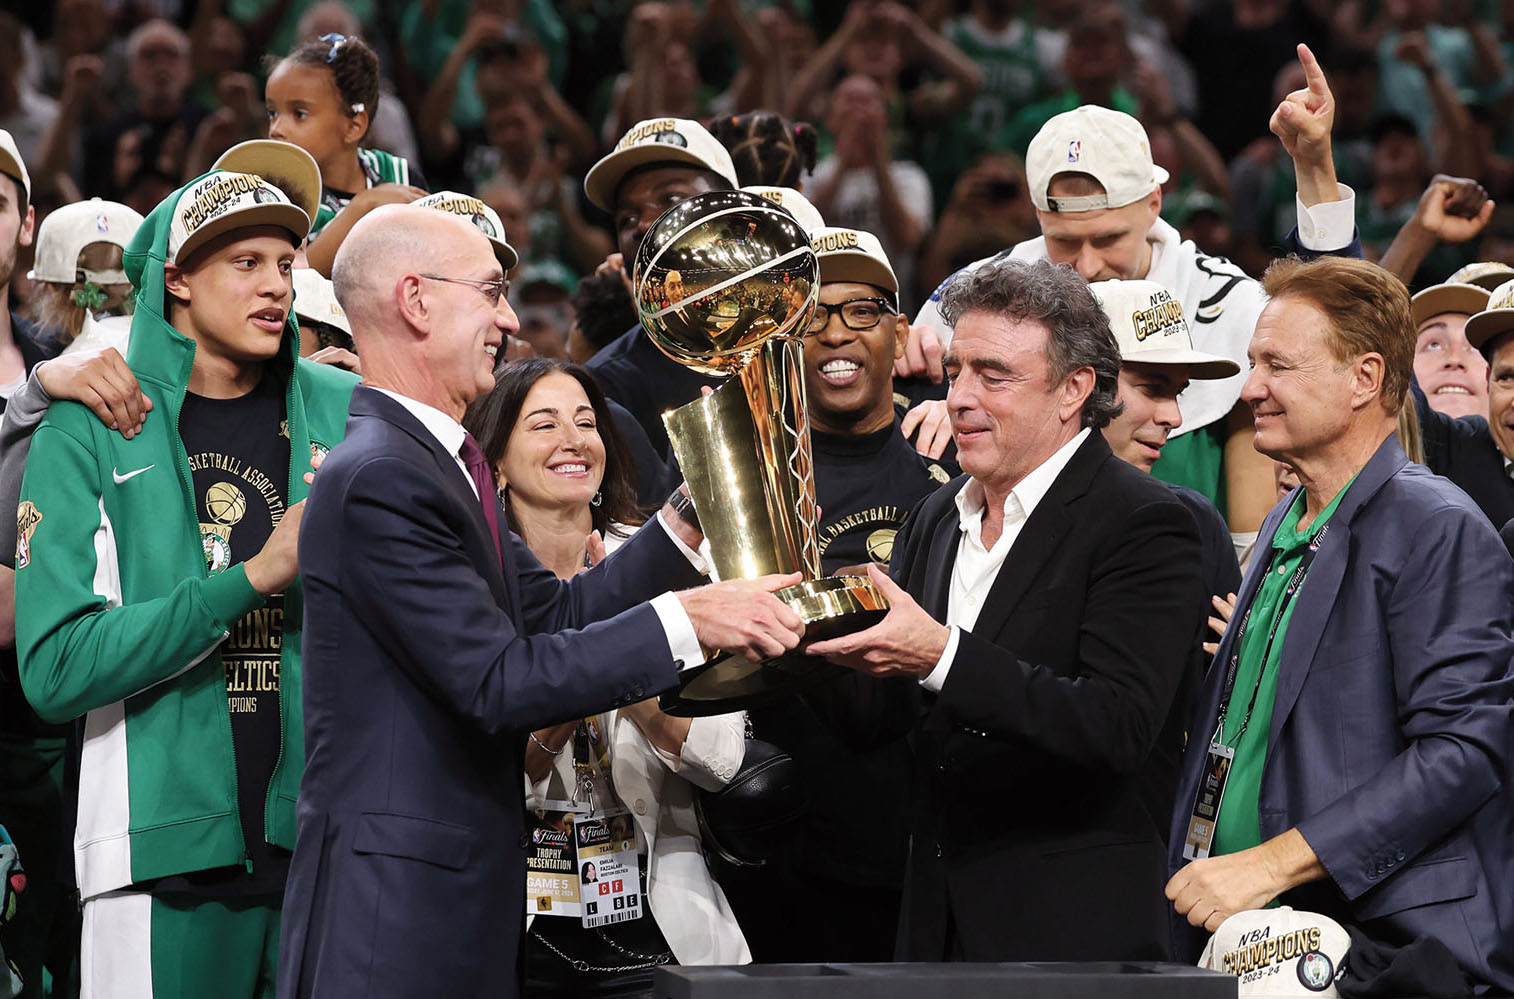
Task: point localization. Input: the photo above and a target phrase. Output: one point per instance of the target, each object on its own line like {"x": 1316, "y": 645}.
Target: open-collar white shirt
{"x": 682, "y": 641}
{"x": 977, "y": 566}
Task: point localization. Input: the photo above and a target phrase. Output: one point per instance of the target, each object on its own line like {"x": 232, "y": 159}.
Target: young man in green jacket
{"x": 157, "y": 596}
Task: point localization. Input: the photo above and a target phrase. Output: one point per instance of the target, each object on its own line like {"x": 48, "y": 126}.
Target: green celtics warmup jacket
{"x": 118, "y": 620}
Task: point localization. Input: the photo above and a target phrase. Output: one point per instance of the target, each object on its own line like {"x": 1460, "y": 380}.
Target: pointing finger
{"x": 1312, "y": 72}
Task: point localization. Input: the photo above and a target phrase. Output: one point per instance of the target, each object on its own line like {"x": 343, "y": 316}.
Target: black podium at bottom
{"x": 1092, "y": 980}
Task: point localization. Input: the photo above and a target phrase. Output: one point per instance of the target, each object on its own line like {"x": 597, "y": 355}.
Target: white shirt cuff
{"x": 936, "y": 678}
{"x": 695, "y": 559}
{"x": 1329, "y": 224}
{"x": 682, "y": 641}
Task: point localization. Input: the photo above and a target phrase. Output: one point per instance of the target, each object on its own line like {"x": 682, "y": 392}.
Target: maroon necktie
{"x": 483, "y": 479}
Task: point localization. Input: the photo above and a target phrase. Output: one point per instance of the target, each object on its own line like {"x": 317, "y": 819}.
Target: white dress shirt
{"x": 682, "y": 641}
{"x": 977, "y": 567}
{"x": 1328, "y": 225}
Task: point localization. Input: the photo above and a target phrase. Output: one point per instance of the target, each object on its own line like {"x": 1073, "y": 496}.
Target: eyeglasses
{"x": 856, "y": 314}
{"x": 337, "y": 41}
{"x": 492, "y": 290}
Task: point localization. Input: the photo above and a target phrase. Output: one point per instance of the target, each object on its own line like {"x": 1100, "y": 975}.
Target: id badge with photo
{"x": 551, "y": 864}
{"x": 609, "y": 868}
{"x": 1206, "y": 807}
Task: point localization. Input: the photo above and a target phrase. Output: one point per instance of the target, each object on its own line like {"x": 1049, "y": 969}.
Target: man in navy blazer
{"x": 1379, "y": 759}
{"x": 434, "y": 642}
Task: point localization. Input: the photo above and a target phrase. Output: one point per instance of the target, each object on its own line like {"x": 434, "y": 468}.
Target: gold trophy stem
{"x": 745, "y": 452}
{"x": 774, "y": 387}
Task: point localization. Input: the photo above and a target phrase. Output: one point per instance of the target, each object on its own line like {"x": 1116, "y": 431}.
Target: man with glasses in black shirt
{"x": 848, "y": 853}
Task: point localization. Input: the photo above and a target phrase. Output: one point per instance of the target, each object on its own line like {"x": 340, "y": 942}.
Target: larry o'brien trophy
{"x": 726, "y": 284}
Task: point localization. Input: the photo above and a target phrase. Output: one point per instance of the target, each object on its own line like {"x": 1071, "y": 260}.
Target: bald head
{"x": 422, "y": 289}
{"x": 394, "y": 241}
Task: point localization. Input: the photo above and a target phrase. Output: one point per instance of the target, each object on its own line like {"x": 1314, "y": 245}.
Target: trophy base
{"x": 829, "y": 607}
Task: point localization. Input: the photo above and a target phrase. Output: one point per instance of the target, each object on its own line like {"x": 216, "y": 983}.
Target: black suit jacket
{"x": 425, "y": 663}
{"x": 1040, "y": 795}
{"x": 1462, "y": 449}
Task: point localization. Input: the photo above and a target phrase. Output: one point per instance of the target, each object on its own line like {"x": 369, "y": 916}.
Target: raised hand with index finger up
{"x": 1303, "y": 122}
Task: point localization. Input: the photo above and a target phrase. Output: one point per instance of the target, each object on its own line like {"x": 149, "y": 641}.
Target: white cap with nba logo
{"x": 222, "y": 201}
{"x": 1150, "y": 327}
{"x": 1109, "y": 146}
{"x": 670, "y": 141}
{"x": 1279, "y": 952}
{"x": 65, "y": 233}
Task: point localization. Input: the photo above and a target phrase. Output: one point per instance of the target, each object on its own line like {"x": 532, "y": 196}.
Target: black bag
{"x": 746, "y": 822}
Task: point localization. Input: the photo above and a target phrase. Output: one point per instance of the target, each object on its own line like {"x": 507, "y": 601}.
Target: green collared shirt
{"x": 1238, "y": 827}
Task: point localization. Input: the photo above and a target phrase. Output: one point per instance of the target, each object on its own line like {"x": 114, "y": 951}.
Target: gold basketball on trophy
{"x": 725, "y": 283}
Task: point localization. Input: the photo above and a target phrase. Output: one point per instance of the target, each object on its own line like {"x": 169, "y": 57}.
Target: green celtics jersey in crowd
{"x": 379, "y": 167}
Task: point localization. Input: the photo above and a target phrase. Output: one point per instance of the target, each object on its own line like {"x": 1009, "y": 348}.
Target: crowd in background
{"x": 913, "y": 119}
{"x": 907, "y": 127}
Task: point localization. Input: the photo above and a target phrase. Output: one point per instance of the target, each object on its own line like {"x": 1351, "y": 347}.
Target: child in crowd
{"x": 322, "y": 97}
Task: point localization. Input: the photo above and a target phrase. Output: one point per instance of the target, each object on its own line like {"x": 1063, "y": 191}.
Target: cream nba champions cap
{"x": 796, "y": 204}
{"x": 1150, "y": 327}
{"x": 673, "y": 141}
{"x": 1109, "y": 146}
{"x": 283, "y": 164}
{"x": 485, "y": 219}
{"x": 853, "y": 256}
{"x": 1279, "y": 952}
{"x": 1496, "y": 318}
{"x": 1487, "y": 274}
{"x": 220, "y": 202}
{"x": 1452, "y": 296}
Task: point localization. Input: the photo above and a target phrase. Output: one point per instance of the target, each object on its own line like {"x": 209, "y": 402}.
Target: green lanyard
{"x": 1294, "y": 585}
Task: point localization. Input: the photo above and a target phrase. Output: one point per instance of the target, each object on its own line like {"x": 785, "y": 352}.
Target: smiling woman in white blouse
{"x": 567, "y": 487}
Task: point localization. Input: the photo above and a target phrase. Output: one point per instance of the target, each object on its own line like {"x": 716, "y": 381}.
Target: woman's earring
{"x": 599, "y": 498}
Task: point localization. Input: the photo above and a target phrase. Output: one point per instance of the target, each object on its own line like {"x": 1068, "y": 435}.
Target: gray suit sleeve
{"x": 23, "y": 414}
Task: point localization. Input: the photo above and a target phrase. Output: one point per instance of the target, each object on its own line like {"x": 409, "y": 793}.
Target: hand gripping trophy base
{"x": 830, "y": 607}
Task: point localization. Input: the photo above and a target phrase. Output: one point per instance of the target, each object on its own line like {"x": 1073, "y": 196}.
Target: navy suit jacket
{"x": 1390, "y": 739}
{"x": 426, "y": 663}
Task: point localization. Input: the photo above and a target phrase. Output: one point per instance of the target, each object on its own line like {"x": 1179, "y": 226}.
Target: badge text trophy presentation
{"x": 725, "y": 283}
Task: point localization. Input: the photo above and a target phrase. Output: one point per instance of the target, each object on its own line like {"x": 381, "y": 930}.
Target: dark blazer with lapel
{"x": 426, "y": 663}
{"x": 1041, "y": 792}
{"x": 1390, "y": 739}
{"x": 1462, "y": 450}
